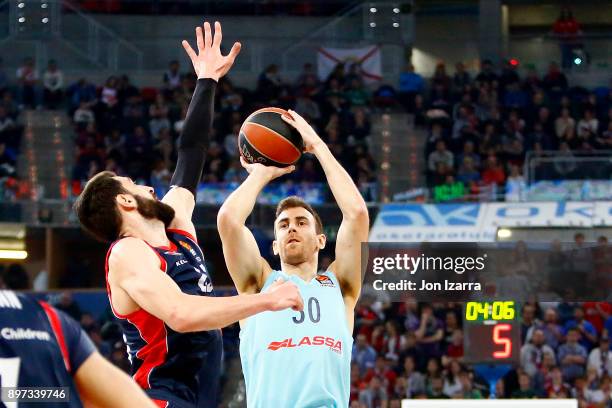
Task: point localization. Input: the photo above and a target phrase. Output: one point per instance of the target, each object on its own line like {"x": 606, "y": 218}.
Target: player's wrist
{"x": 267, "y": 301}
{"x": 208, "y": 75}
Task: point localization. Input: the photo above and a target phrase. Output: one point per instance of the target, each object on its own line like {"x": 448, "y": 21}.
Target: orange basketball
{"x": 267, "y": 139}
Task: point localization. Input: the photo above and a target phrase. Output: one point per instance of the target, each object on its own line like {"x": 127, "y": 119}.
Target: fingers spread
{"x": 190, "y": 52}
{"x": 200, "y": 39}
{"x": 207, "y": 35}
{"x": 234, "y": 51}
{"x": 218, "y": 35}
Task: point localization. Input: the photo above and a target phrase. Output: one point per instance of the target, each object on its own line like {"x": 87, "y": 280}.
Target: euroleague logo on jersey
{"x": 333, "y": 344}
{"x": 188, "y": 247}
{"x": 325, "y": 281}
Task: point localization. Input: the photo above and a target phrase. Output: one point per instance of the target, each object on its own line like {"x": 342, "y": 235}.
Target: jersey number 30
{"x": 314, "y": 312}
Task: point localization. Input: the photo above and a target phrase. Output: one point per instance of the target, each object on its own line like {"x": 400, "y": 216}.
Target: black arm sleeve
{"x": 193, "y": 142}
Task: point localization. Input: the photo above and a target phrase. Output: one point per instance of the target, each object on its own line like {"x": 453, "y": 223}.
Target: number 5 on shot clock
{"x": 492, "y": 333}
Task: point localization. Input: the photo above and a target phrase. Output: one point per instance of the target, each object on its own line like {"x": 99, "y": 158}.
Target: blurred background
{"x": 459, "y": 120}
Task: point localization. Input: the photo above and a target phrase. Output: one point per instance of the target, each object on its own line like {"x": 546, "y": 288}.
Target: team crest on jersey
{"x": 188, "y": 247}
{"x": 325, "y": 280}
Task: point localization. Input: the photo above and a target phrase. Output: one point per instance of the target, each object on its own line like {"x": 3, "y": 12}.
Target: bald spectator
{"x": 532, "y": 353}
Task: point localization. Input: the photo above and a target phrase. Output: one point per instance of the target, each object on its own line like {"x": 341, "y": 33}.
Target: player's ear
{"x": 275, "y": 247}
{"x": 321, "y": 241}
{"x": 126, "y": 201}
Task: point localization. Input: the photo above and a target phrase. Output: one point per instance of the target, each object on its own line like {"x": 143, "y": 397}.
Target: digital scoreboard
{"x": 492, "y": 333}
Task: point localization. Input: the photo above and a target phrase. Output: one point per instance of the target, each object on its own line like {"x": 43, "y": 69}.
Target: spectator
{"x": 467, "y": 387}
{"x": 363, "y": 354}
{"x": 172, "y": 77}
{"x": 553, "y": 333}
{"x": 572, "y": 356}
{"x": 429, "y": 333}
{"x": 563, "y": 122}
{"x": 555, "y": 82}
{"x": 588, "y": 334}
{"x": 566, "y": 165}
{"x": 81, "y": 91}
{"x": 356, "y": 94}
{"x": 83, "y": 116}
{"x": 467, "y": 172}
{"x": 515, "y": 185}
{"x": 588, "y": 126}
{"x": 487, "y": 74}
{"x": 436, "y": 391}
{"x": 414, "y": 379}
{"x": 566, "y": 28}
{"x": 29, "y": 92}
{"x": 410, "y": 84}
{"x": 269, "y": 84}
{"x": 493, "y": 172}
{"x": 461, "y": 79}
{"x": 374, "y": 396}
{"x": 440, "y": 155}
{"x": 110, "y": 96}
{"x": 307, "y": 80}
{"x": 600, "y": 358}
{"x": 532, "y": 353}
{"x": 15, "y": 277}
{"x": 158, "y": 112}
{"x": 452, "y": 383}
{"x": 557, "y": 388}
{"x": 53, "y": 80}
{"x": 525, "y": 390}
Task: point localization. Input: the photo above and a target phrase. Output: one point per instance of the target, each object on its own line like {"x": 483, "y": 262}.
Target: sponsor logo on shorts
{"x": 325, "y": 280}
{"x": 319, "y": 341}
{"x": 181, "y": 262}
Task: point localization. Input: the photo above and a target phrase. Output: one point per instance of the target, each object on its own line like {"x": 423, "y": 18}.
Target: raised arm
{"x": 209, "y": 66}
{"x": 242, "y": 257}
{"x": 355, "y": 220}
{"x": 154, "y": 291}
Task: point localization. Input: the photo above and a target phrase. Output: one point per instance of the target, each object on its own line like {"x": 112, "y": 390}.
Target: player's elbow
{"x": 179, "y": 319}
{"x": 358, "y": 212}
{"x": 226, "y": 221}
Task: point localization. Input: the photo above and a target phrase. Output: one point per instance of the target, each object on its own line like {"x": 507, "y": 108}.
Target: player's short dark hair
{"x": 96, "y": 207}
{"x": 293, "y": 202}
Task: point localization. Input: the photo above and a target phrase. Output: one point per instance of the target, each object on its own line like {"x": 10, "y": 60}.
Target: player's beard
{"x": 153, "y": 209}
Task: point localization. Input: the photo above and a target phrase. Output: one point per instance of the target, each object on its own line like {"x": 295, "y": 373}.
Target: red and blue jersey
{"x": 40, "y": 347}
{"x": 168, "y": 365}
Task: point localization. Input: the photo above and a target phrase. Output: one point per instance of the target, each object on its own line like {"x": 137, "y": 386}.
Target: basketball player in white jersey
{"x": 297, "y": 359}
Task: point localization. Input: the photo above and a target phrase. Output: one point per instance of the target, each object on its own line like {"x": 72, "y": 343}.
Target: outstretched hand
{"x": 208, "y": 62}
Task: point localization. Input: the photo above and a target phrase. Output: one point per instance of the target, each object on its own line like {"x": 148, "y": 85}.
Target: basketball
{"x": 267, "y": 139}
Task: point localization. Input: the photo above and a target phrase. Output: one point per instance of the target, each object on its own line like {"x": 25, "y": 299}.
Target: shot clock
{"x": 491, "y": 333}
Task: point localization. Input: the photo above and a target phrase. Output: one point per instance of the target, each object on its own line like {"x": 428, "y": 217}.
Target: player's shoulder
{"x": 128, "y": 251}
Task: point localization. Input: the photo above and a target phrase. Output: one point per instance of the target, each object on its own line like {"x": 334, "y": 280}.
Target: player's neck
{"x": 305, "y": 270}
{"x": 152, "y": 232}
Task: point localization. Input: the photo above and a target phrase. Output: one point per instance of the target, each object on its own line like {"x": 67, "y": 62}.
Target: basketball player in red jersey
{"x": 157, "y": 284}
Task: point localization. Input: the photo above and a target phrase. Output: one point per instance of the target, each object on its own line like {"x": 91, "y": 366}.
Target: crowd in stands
{"x": 480, "y": 128}
{"x": 415, "y": 350}
{"x": 133, "y": 131}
